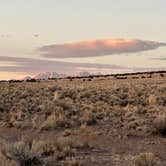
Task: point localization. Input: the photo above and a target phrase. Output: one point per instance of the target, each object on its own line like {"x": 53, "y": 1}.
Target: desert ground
{"x": 105, "y": 120}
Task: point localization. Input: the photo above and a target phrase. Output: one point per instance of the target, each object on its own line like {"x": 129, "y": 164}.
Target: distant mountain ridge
{"x": 48, "y": 75}
{"x": 51, "y": 75}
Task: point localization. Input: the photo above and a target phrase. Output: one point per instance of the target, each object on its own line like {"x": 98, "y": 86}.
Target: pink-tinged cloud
{"x": 98, "y": 48}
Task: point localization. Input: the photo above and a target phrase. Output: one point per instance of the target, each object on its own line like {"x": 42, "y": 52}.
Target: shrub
{"x": 54, "y": 121}
{"x": 26, "y": 152}
{"x": 88, "y": 118}
{"x": 152, "y": 100}
{"x": 87, "y": 136}
{"x": 21, "y": 152}
{"x": 160, "y": 124}
{"x": 144, "y": 159}
{"x": 56, "y": 95}
{"x": 49, "y": 123}
{"x": 73, "y": 162}
{"x": 29, "y": 152}
{"x": 64, "y": 148}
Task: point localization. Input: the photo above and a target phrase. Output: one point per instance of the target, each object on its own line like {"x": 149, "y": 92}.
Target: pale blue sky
{"x": 59, "y": 21}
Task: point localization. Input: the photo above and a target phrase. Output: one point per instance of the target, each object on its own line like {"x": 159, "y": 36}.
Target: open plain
{"x": 105, "y": 120}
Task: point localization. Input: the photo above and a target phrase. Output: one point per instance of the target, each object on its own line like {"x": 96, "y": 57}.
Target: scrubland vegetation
{"x": 84, "y": 121}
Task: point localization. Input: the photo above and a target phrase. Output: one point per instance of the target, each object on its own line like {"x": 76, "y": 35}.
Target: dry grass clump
{"x": 152, "y": 100}
{"x": 64, "y": 149}
{"x": 49, "y": 123}
{"x": 54, "y": 121}
{"x": 88, "y": 118}
{"x": 22, "y": 153}
{"x": 73, "y": 162}
{"x": 66, "y": 104}
{"x": 30, "y": 152}
{"x": 87, "y": 137}
{"x": 144, "y": 159}
{"x": 160, "y": 124}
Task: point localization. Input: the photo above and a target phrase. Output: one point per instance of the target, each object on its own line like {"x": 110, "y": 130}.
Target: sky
{"x": 81, "y": 35}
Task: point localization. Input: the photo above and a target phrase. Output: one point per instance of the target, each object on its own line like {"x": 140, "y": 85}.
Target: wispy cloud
{"x": 30, "y": 65}
{"x": 97, "y": 48}
{"x": 40, "y": 65}
{"x": 5, "y": 36}
{"x": 161, "y": 59}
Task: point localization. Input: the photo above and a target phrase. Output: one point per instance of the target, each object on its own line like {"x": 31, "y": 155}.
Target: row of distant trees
{"x": 117, "y": 76}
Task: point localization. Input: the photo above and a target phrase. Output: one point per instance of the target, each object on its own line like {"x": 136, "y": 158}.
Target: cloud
{"x": 5, "y": 35}
{"x": 30, "y": 65}
{"x": 97, "y": 48}
{"x": 161, "y": 59}
{"x": 40, "y": 65}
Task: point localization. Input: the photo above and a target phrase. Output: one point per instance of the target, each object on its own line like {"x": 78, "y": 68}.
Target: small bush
{"x": 88, "y": 118}
{"x": 64, "y": 149}
{"x": 49, "y": 123}
{"x": 144, "y": 159}
{"x": 21, "y": 152}
{"x": 152, "y": 100}
{"x": 160, "y": 124}
{"x": 54, "y": 121}
{"x": 73, "y": 162}
{"x": 87, "y": 136}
